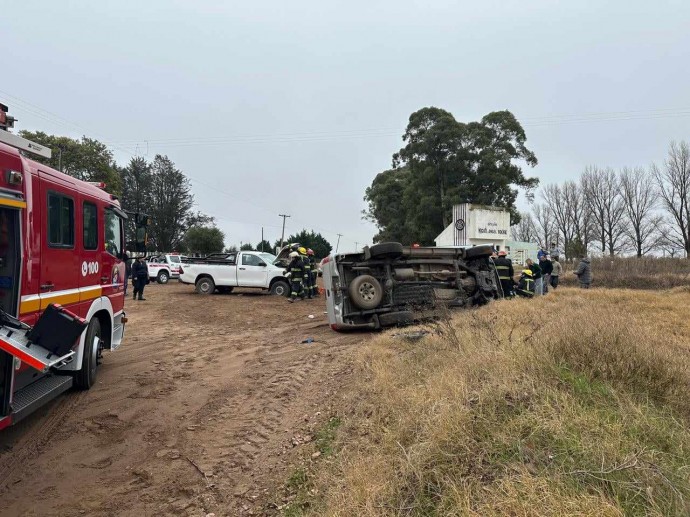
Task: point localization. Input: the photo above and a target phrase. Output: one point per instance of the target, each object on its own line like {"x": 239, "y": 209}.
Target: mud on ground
{"x": 203, "y": 409}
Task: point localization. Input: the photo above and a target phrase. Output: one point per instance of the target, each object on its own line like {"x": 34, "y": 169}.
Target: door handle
{"x": 47, "y": 287}
{"x": 243, "y": 268}
{"x": 105, "y": 278}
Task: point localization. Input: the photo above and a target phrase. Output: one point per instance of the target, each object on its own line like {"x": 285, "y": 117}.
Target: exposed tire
{"x": 386, "y": 250}
{"x": 365, "y": 292}
{"x": 86, "y": 376}
{"x": 225, "y": 289}
{"x": 205, "y": 285}
{"x": 483, "y": 251}
{"x": 280, "y": 288}
{"x": 396, "y": 318}
{"x": 162, "y": 277}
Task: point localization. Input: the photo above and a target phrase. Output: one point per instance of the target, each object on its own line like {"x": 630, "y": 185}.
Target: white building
{"x": 474, "y": 225}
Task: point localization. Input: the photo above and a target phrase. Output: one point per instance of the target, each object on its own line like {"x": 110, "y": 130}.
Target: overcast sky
{"x": 293, "y": 107}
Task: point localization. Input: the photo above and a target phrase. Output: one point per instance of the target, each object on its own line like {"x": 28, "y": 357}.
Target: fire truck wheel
{"x": 365, "y": 292}
{"x": 205, "y": 285}
{"x": 86, "y": 376}
{"x": 162, "y": 277}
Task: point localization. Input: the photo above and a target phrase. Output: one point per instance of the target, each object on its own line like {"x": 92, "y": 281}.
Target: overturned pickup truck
{"x": 389, "y": 284}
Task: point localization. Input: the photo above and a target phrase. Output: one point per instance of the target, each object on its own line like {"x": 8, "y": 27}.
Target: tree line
{"x": 634, "y": 210}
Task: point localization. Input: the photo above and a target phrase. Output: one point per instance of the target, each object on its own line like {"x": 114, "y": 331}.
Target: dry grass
{"x": 573, "y": 404}
{"x": 634, "y": 273}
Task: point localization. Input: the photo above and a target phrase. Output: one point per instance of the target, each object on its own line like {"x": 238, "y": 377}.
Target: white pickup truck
{"x": 163, "y": 267}
{"x": 224, "y": 272}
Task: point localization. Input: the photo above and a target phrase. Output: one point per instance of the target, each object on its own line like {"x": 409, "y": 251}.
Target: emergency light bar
{"x": 24, "y": 144}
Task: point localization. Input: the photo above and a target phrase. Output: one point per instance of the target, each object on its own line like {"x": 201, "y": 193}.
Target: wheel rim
{"x": 279, "y": 290}
{"x": 205, "y": 287}
{"x": 367, "y": 291}
{"x": 164, "y": 278}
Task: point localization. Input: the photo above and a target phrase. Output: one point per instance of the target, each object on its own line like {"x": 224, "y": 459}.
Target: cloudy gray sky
{"x": 293, "y": 107}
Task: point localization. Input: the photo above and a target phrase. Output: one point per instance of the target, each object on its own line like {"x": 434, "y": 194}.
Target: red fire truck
{"x": 61, "y": 243}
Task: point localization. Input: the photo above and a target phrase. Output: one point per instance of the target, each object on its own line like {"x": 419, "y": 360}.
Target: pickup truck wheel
{"x": 86, "y": 376}
{"x": 365, "y": 292}
{"x": 386, "y": 250}
{"x": 205, "y": 285}
{"x": 280, "y": 288}
{"x": 396, "y": 318}
{"x": 162, "y": 277}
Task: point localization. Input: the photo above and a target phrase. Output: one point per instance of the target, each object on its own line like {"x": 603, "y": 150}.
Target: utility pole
{"x": 356, "y": 247}
{"x": 262, "y": 238}
{"x": 282, "y": 235}
{"x": 338, "y": 243}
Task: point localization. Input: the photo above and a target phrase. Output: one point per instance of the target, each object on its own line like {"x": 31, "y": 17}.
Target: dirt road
{"x": 198, "y": 412}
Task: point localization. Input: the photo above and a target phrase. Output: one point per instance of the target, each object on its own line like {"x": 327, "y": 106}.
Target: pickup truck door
{"x": 252, "y": 271}
{"x": 225, "y": 274}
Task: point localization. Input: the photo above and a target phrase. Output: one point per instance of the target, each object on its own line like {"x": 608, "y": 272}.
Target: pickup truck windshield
{"x": 267, "y": 257}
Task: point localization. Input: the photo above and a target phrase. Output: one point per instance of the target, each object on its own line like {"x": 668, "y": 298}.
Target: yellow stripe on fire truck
{"x": 36, "y": 302}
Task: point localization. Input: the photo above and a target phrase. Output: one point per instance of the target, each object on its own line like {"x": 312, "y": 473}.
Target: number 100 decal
{"x": 89, "y": 268}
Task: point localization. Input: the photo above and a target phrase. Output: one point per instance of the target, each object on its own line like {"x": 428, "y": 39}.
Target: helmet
{"x": 527, "y": 272}
{"x": 302, "y": 250}
{"x": 294, "y": 254}
{"x": 310, "y": 251}
{"x": 502, "y": 253}
{"x": 294, "y": 247}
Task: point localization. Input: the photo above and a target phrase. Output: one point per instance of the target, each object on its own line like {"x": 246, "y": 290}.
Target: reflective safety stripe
{"x": 503, "y": 267}
{"x": 504, "y": 277}
{"x": 36, "y": 302}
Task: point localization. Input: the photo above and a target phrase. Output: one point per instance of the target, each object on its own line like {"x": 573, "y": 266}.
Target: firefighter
{"x": 295, "y": 271}
{"x": 525, "y": 286}
{"x": 314, "y": 273}
{"x": 504, "y": 267}
{"x": 308, "y": 291}
{"x": 140, "y": 277}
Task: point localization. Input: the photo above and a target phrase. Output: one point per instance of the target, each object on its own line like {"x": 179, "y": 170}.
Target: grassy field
{"x": 634, "y": 273}
{"x": 577, "y": 403}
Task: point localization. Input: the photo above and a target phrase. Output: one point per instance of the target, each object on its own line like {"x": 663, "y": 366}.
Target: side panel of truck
{"x": 249, "y": 273}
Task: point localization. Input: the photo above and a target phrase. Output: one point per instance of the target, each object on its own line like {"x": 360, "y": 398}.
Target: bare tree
{"x": 579, "y": 214}
{"x": 602, "y": 195}
{"x": 674, "y": 192}
{"x": 559, "y": 211}
{"x": 639, "y": 198}
{"x": 525, "y": 230}
{"x": 544, "y": 225}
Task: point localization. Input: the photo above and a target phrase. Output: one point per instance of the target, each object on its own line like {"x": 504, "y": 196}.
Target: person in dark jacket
{"x": 295, "y": 271}
{"x": 584, "y": 273}
{"x": 525, "y": 286}
{"x": 140, "y": 277}
{"x": 314, "y": 273}
{"x": 504, "y": 268}
{"x": 546, "y": 269}
{"x": 536, "y": 275}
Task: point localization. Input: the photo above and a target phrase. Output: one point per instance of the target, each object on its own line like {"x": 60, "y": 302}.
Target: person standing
{"x": 140, "y": 277}
{"x": 546, "y": 269}
{"x": 555, "y": 252}
{"x": 556, "y": 273}
{"x": 504, "y": 268}
{"x": 314, "y": 273}
{"x": 542, "y": 252}
{"x": 295, "y": 271}
{"x": 536, "y": 276}
{"x": 306, "y": 273}
{"x": 584, "y": 273}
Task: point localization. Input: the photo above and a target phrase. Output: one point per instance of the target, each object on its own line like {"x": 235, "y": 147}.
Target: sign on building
{"x": 473, "y": 223}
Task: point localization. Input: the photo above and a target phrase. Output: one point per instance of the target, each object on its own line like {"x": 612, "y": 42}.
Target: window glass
{"x": 60, "y": 221}
{"x": 175, "y": 259}
{"x": 113, "y": 233}
{"x": 251, "y": 260}
{"x": 90, "y": 226}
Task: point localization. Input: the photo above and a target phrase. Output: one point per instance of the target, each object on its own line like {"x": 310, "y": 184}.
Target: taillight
{"x": 181, "y": 271}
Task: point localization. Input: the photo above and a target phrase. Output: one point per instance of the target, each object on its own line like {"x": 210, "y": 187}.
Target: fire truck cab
{"x": 61, "y": 242}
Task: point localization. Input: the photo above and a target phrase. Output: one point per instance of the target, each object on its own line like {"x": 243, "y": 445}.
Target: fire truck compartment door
{"x": 14, "y": 342}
